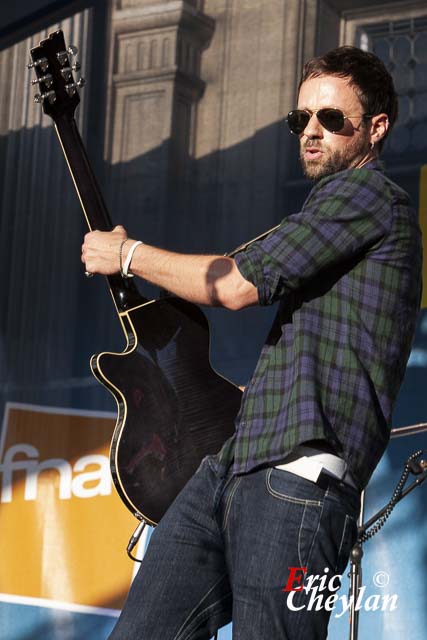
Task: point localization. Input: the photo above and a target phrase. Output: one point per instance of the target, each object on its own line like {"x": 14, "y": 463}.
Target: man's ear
{"x": 379, "y": 127}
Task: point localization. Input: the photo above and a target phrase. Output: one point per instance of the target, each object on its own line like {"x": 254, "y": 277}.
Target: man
{"x": 281, "y": 499}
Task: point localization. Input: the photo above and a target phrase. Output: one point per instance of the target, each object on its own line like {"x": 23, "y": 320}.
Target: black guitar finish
{"x": 173, "y": 408}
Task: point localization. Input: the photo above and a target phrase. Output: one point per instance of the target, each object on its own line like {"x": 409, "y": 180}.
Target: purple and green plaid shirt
{"x": 347, "y": 273}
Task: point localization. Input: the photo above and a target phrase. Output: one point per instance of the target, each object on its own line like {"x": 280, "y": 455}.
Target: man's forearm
{"x": 208, "y": 280}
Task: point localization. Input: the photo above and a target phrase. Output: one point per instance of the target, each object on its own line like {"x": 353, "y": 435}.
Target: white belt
{"x": 309, "y": 463}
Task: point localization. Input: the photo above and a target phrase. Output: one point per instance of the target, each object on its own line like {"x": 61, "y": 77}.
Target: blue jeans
{"x": 223, "y": 550}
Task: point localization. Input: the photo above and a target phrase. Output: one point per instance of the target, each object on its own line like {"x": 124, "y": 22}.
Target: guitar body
{"x": 173, "y": 408}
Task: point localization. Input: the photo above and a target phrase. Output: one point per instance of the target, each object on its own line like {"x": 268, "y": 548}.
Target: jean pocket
{"x": 291, "y": 488}
{"x": 302, "y": 510}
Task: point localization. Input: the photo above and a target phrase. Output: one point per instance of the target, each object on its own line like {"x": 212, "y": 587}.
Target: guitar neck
{"x": 124, "y": 292}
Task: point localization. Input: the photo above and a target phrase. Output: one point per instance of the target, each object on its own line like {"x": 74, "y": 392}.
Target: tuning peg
{"x": 47, "y": 80}
{"x": 70, "y": 88}
{"x": 41, "y": 62}
{"x": 76, "y": 66}
{"x": 41, "y": 97}
{"x": 72, "y": 50}
{"x": 66, "y": 74}
{"x": 63, "y": 58}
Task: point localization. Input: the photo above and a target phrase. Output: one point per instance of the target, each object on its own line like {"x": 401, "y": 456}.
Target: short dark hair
{"x": 367, "y": 73}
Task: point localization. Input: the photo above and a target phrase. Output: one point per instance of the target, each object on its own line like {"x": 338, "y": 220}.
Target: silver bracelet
{"x": 128, "y": 260}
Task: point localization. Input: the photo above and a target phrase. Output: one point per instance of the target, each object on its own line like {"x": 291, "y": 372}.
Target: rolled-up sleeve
{"x": 344, "y": 215}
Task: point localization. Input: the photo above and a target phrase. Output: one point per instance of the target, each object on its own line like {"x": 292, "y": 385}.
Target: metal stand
{"x": 356, "y": 555}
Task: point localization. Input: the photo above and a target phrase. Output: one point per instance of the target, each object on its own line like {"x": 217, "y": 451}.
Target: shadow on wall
{"x": 52, "y": 318}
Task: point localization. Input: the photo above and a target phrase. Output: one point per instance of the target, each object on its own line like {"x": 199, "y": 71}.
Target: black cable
{"x": 409, "y": 467}
{"x": 132, "y": 557}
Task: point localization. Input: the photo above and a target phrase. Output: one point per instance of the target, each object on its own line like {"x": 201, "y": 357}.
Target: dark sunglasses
{"x": 331, "y": 119}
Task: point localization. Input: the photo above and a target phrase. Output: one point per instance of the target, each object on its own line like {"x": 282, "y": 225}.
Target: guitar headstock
{"x": 54, "y": 64}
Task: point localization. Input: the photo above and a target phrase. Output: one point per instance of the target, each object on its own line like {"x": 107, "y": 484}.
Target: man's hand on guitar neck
{"x": 209, "y": 280}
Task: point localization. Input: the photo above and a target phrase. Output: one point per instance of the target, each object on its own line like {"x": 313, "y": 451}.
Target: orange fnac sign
{"x": 63, "y": 529}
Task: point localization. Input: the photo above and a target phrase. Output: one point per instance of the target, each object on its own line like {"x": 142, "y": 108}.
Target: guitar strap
{"x": 245, "y": 245}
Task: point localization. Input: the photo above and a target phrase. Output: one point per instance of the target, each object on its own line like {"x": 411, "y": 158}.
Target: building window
{"x": 402, "y": 46}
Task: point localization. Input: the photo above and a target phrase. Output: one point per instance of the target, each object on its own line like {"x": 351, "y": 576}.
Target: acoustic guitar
{"x": 172, "y": 407}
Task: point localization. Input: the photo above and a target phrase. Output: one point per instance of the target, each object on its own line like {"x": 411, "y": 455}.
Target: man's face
{"x": 323, "y": 153}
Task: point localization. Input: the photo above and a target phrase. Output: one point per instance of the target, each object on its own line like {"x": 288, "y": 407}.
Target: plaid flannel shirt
{"x": 347, "y": 273}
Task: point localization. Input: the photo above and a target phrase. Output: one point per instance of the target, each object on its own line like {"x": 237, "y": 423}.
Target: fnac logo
{"x": 64, "y": 526}
{"x": 74, "y": 480}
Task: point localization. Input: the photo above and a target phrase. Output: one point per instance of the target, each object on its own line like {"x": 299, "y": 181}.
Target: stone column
{"x": 154, "y": 88}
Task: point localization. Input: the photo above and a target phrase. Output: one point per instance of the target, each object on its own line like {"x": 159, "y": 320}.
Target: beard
{"x": 333, "y": 161}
